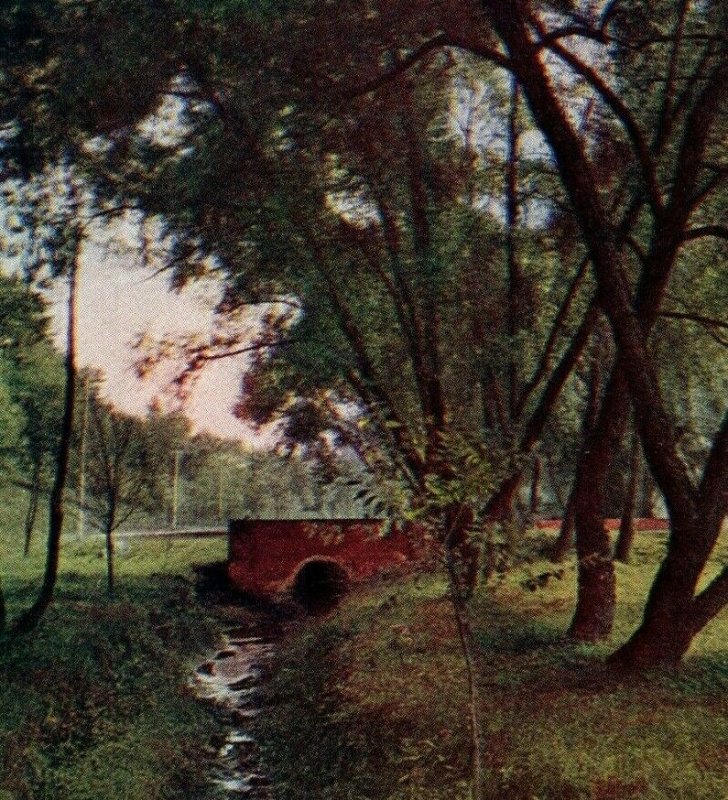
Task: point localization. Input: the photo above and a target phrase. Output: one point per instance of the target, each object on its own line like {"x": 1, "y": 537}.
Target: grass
{"x": 93, "y": 705}
{"x": 370, "y": 705}
{"x": 367, "y": 704}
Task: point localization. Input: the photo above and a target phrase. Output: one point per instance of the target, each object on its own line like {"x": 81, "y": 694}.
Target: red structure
{"x": 312, "y": 559}
{"x": 612, "y": 524}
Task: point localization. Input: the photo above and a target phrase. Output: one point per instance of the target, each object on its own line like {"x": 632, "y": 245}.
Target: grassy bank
{"x": 92, "y": 705}
{"x": 371, "y": 703}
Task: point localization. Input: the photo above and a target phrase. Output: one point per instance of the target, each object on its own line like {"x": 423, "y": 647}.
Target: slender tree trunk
{"x": 458, "y": 598}
{"x": 3, "y": 611}
{"x": 81, "y": 489}
{"x": 109, "y": 536}
{"x": 459, "y": 519}
{"x": 565, "y": 540}
{"x": 32, "y": 511}
{"x": 535, "y": 500}
{"x": 515, "y": 273}
{"x": 647, "y": 494}
{"x": 625, "y": 539}
{"x": 29, "y": 619}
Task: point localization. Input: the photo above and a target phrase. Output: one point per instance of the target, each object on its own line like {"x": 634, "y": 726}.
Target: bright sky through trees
{"x": 118, "y": 300}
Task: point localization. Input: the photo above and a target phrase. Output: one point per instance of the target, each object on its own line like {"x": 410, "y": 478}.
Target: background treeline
{"x": 125, "y": 470}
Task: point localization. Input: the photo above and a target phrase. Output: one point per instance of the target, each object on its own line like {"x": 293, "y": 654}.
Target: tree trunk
{"x": 459, "y": 519}
{"x": 596, "y": 596}
{"x": 458, "y": 597}
{"x": 109, "y": 536}
{"x": 29, "y": 619}
{"x": 668, "y": 627}
{"x": 565, "y": 541}
{"x": 500, "y": 505}
{"x": 3, "y": 611}
{"x": 647, "y": 494}
{"x": 625, "y": 539}
{"x": 535, "y": 500}
{"x": 32, "y": 511}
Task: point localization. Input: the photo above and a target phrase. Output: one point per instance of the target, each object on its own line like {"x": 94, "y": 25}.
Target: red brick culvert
{"x": 312, "y": 561}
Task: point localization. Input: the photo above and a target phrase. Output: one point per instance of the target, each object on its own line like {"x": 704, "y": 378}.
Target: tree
{"x": 341, "y": 193}
{"x": 689, "y": 119}
{"x": 120, "y": 474}
{"x": 28, "y": 620}
{"x": 168, "y": 435}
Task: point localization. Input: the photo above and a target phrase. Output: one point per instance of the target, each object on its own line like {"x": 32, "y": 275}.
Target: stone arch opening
{"x": 319, "y": 584}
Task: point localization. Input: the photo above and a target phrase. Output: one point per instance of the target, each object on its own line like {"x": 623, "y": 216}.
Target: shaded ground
{"x": 94, "y": 705}
{"x": 371, "y": 703}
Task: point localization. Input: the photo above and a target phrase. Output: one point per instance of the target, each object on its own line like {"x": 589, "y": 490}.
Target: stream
{"x": 230, "y": 681}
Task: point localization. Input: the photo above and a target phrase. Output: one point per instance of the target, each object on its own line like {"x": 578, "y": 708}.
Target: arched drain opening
{"x": 319, "y": 584}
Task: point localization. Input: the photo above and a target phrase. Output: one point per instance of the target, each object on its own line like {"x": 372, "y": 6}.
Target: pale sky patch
{"x": 117, "y": 300}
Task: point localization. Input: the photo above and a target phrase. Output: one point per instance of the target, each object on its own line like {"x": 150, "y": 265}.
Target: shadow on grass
{"x": 93, "y": 704}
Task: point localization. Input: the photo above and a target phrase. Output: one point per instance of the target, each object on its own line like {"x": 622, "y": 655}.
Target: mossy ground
{"x": 93, "y": 704}
{"x": 370, "y": 703}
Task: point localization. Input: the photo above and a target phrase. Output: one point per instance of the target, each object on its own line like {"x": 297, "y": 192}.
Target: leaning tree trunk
{"x": 30, "y": 618}
{"x": 499, "y": 507}
{"x": 625, "y": 539}
{"x": 668, "y": 625}
{"x": 32, "y": 511}
{"x": 674, "y": 613}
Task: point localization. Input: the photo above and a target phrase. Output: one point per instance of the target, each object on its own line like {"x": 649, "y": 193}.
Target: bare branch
{"x": 252, "y": 348}
{"x": 583, "y": 31}
{"x": 699, "y": 318}
{"x": 554, "y": 334}
{"x": 718, "y": 231}
{"x": 624, "y": 115}
{"x": 400, "y": 66}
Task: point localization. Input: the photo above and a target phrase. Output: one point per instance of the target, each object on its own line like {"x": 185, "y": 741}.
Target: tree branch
{"x": 400, "y": 66}
{"x": 625, "y": 116}
{"x": 718, "y": 231}
{"x": 697, "y": 318}
{"x": 711, "y": 601}
{"x": 556, "y": 328}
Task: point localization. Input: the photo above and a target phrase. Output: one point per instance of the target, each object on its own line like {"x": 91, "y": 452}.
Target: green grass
{"x": 93, "y": 705}
{"x": 371, "y": 703}
{"x": 368, "y": 704}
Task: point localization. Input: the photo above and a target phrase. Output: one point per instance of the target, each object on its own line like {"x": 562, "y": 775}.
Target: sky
{"x": 119, "y": 299}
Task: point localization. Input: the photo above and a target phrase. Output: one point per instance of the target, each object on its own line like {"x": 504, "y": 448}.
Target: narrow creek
{"x": 230, "y": 681}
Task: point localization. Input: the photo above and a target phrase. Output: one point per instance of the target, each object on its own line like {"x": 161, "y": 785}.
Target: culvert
{"x": 319, "y": 584}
